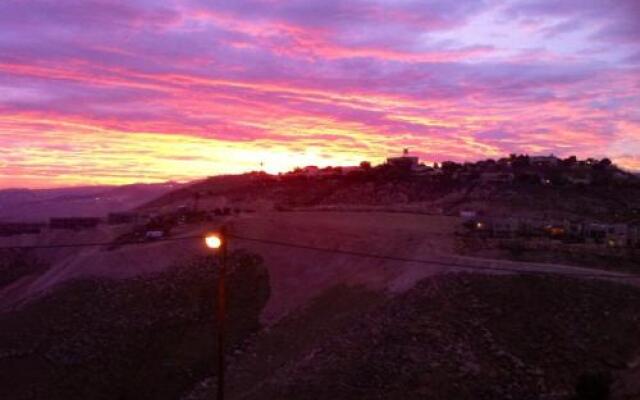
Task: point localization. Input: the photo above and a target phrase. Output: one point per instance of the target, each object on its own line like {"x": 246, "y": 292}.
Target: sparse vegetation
{"x": 594, "y": 188}
{"x": 147, "y": 338}
{"x": 15, "y": 264}
{"x": 459, "y": 336}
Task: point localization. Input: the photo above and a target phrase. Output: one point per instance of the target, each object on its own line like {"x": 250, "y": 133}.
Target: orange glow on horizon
{"x": 184, "y": 90}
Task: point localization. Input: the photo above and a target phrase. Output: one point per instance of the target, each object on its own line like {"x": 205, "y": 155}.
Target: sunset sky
{"x": 110, "y": 91}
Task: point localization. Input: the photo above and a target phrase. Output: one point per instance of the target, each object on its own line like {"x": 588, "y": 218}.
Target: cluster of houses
{"x": 545, "y": 170}
{"x": 19, "y": 228}
{"x": 609, "y": 234}
{"x": 540, "y": 169}
{"x": 405, "y": 162}
{"x": 315, "y": 171}
{"x": 149, "y": 226}
{"x": 498, "y": 172}
{"x": 69, "y": 223}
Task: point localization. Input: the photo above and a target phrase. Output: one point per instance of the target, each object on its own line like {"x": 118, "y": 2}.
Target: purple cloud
{"x": 450, "y": 79}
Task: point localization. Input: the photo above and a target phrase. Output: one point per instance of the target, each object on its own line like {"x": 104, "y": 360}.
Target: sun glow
{"x": 179, "y": 90}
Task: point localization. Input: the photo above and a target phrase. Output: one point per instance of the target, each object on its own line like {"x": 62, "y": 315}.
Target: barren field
{"x": 297, "y": 274}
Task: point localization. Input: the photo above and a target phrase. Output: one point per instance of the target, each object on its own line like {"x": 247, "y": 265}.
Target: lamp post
{"x": 218, "y": 241}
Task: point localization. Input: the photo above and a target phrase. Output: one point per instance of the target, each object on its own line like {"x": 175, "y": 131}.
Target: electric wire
{"x": 383, "y": 257}
{"x": 432, "y": 261}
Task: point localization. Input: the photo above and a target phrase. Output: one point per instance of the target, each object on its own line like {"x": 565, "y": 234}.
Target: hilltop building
{"x": 544, "y": 161}
{"x": 155, "y": 234}
{"x": 405, "y": 161}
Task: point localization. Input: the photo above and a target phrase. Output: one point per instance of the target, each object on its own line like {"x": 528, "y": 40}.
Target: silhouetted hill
{"x": 596, "y": 191}
{"x": 42, "y": 204}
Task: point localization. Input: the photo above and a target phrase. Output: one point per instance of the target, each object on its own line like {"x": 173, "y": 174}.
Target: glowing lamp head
{"x": 213, "y": 241}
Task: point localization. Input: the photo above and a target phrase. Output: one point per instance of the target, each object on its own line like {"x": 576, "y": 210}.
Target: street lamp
{"x": 218, "y": 241}
{"x": 213, "y": 241}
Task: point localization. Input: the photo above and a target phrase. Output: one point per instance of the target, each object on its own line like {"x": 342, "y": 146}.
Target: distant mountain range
{"x": 98, "y": 201}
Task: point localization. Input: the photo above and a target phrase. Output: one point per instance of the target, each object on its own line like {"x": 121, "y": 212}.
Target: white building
{"x": 544, "y": 161}
{"x": 155, "y": 234}
{"x": 405, "y": 161}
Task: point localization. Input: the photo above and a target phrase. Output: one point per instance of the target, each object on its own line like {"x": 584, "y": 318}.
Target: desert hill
{"x": 595, "y": 190}
{"x": 25, "y": 205}
{"x": 127, "y": 321}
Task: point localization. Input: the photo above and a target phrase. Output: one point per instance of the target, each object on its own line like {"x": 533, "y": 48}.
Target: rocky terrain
{"x": 452, "y": 335}
{"x": 150, "y": 337}
{"x": 458, "y": 336}
{"x": 15, "y": 264}
{"x": 547, "y": 251}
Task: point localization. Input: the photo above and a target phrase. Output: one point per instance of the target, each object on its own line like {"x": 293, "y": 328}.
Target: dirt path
{"x": 298, "y": 275}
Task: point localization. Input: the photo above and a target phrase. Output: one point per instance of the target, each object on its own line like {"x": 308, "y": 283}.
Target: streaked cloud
{"x": 123, "y": 91}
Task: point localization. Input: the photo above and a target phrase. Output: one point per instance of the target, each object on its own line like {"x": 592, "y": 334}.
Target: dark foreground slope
{"x": 450, "y": 337}
{"x": 454, "y": 336}
{"x": 148, "y": 338}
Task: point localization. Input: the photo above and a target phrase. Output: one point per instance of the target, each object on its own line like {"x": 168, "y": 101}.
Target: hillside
{"x": 126, "y": 322}
{"x": 497, "y": 187}
{"x": 93, "y": 201}
{"x": 147, "y": 338}
{"x": 460, "y": 336}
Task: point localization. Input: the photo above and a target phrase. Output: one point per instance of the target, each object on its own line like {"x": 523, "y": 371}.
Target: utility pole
{"x": 222, "y": 311}
{"x": 219, "y": 241}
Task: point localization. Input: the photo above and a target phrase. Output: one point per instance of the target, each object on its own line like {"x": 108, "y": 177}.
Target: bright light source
{"x": 213, "y": 241}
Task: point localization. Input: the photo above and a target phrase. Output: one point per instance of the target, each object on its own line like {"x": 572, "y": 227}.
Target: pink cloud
{"x": 348, "y": 80}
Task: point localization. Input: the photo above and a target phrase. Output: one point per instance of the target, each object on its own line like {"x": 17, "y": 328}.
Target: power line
{"x": 98, "y": 244}
{"x": 432, "y": 261}
{"x": 337, "y": 251}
